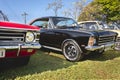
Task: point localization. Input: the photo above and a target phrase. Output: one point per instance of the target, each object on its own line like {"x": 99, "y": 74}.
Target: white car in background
{"x": 98, "y": 25}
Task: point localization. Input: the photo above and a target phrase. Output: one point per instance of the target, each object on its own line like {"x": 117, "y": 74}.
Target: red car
{"x": 18, "y": 42}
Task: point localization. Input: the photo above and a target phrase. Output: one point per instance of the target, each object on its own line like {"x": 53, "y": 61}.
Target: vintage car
{"x": 114, "y": 26}
{"x": 64, "y": 34}
{"x": 98, "y": 25}
{"x": 18, "y": 42}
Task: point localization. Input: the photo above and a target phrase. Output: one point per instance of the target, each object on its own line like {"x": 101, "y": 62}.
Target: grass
{"x": 54, "y": 67}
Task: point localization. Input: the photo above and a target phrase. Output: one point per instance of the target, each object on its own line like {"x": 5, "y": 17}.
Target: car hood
{"x": 95, "y": 32}
{"x": 117, "y": 31}
{"x": 11, "y": 25}
{"x": 104, "y": 33}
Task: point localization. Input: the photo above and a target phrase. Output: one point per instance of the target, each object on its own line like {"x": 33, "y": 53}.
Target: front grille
{"x": 105, "y": 39}
{"x": 118, "y": 39}
{"x": 11, "y": 37}
{"x": 37, "y": 37}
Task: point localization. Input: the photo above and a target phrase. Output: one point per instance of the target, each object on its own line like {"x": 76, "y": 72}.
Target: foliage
{"x": 90, "y": 12}
{"x": 107, "y": 10}
{"x": 54, "y": 67}
{"x": 55, "y": 6}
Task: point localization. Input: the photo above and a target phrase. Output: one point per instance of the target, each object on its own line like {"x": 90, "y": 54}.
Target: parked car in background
{"x": 63, "y": 34}
{"x": 18, "y": 42}
{"x": 98, "y": 25}
{"x": 114, "y": 26}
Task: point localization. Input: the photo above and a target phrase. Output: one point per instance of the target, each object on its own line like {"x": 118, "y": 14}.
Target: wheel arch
{"x": 74, "y": 41}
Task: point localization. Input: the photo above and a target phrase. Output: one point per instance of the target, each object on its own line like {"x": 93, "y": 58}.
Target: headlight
{"x": 91, "y": 41}
{"x": 29, "y": 37}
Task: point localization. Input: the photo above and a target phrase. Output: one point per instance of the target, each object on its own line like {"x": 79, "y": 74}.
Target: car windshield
{"x": 115, "y": 26}
{"x": 64, "y": 22}
{"x": 94, "y": 25}
{"x": 103, "y": 26}
{"x": 89, "y": 25}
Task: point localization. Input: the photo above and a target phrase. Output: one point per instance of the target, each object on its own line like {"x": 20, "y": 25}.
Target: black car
{"x": 64, "y": 34}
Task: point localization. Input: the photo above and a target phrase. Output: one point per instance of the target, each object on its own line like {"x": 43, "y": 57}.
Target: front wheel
{"x": 72, "y": 51}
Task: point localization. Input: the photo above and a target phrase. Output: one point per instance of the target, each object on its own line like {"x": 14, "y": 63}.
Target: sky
{"x": 34, "y": 8}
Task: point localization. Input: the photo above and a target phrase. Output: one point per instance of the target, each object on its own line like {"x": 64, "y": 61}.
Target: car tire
{"x": 72, "y": 51}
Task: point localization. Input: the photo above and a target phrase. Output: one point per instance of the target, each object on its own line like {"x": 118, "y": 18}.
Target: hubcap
{"x": 71, "y": 51}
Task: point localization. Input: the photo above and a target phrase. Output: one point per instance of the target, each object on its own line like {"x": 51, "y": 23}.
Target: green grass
{"x": 54, "y": 67}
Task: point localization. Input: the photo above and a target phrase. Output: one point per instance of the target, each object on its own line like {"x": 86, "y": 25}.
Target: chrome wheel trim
{"x": 70, "y": 51}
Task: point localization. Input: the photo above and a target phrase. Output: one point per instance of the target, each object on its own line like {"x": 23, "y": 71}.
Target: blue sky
{"x": 35, "y": 8}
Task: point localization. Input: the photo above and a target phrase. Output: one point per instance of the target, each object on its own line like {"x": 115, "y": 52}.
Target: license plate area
{"x": 2, "y": 53}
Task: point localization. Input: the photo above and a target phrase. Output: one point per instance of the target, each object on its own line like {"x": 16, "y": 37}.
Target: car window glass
{"x": 41, "y": 23}
{"x": 64, "y": 22}
{"x": 89, "y": 26}
{"x": 104, "y": 26}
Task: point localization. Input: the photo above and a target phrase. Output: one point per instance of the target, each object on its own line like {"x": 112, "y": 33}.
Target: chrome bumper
{"x": 117, "y": 46}
{"x": 106, "y": 47}
{"x": 23, "y": 46}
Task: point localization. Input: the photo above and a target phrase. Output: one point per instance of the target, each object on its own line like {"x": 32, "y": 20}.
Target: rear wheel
{"x": 72, "y": 51}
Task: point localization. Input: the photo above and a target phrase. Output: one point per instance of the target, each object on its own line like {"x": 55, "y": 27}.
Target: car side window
{"x": 40, "y": 23}
{"x": 82, "y": 25}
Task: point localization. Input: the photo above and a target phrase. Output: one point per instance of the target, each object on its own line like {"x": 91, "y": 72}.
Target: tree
{"x": 110, "y": 8}
{"x": 55, "y": 6}
{"x": 90, "y": 12}
{"x": 106, "y": 10}
{"x": 75, "y": 10}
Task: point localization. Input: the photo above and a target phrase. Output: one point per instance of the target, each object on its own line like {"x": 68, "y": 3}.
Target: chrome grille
{"x": 10, "y": 37}
{"x": 106, "y": 39}
{"x": 37, "y": 37}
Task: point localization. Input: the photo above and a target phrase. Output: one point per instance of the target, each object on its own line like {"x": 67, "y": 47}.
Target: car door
{"x": 46, "y": 31}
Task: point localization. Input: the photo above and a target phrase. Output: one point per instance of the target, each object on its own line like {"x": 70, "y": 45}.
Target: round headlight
{"x": 29, "y": 37}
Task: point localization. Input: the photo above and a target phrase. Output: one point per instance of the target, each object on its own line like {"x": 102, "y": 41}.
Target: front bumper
{"x": 117, "y": 46}
{"x": 21, "y": 46}
{"x": 106, "y": 47}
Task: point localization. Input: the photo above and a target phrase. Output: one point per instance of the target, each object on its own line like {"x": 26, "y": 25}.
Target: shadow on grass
{"x": 108, "y": 55}
{"x": 40, "y": 62}
{"x": 43, "y": 61}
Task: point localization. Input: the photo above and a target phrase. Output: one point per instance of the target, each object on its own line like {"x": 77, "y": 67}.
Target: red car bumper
{"x": 23, "y": 52}
{"x": 18, "y": 51}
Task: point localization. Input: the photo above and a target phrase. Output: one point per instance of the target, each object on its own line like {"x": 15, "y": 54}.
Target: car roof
{"x": 52, "y": 17}
{"x": 48, "y": 17}
{"x": 87, "y": 21}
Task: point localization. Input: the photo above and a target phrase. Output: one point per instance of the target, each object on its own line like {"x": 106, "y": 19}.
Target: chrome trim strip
{"x": 51, "y": 48}
{"x": 23, "y": 46}
{"x": 93, "y": 48}
{"x": 11, "y": 37}
{"x": 19, "y": 29}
